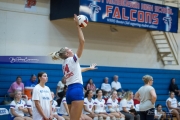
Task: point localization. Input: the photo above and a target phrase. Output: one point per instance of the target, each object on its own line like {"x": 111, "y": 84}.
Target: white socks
{"x": 122, "y": 118}
{"x": 114, "y": 118}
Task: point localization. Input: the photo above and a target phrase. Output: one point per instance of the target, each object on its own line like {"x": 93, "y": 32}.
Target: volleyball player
{"x": 72, "y": 73}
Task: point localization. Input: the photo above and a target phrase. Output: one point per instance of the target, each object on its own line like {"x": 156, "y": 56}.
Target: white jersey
{"x": 123, "y": 103}
{"x": 43, "y": 95}
{"x": 89, "y": 105}
{"x": 54, "y": 105}
{"x": 29, "y": 105}
{"x": 72, "y": 70}
{"x": 112, "y": 103}
{"x": 100, "y": 105}
{"x": 62, "y": 107}
{"x": 16, "y": 106}
{"x": 159, "y": 114}
{"x": 129, "y": 104}
{"x": 173, "y": 102}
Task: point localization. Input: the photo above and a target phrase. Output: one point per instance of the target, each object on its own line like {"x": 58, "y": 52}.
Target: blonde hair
{"x": 60, "y": 54}
{"x": 127, "y": 95}
{"x": 147, "y": 78}
{"x": 15, "y": 93}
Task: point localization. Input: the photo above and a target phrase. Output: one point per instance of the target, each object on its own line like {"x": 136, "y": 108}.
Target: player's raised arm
{"x": 91, "y": 67}
{"x": 81, "y": 37}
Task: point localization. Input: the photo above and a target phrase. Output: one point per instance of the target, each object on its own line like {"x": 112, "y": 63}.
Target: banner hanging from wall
{"x": 131, "y": 13}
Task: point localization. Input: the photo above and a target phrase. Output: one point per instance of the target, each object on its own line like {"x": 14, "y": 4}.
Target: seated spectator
{"x": 113, "y": 107}
{"x": 127, "y": 107}
{"x": 59, "y": 89}
{"x": 99, "y": 109}
{"x": 91, "y": 86}
{"x": 106, "y": 87}
{"x": 54, "y": 111}
{"x": 29, "y": 107}
{"x": 159, "y": 113}
{"x": 64, "y": 111}
{"x": 61, "y": 95}
{"x": 172, "y": 105}
{"x": 60, "y": 86}
{"x": 116, "y": 85}
{"x": 17, "y": 85}
{"x": 32, "y": 82}
{"x": 89, "y": 105}
{"x": 174, "y": 87}
{"x": 18, "y": 107}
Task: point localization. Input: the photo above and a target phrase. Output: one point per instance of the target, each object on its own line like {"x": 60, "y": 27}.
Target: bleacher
{"x": 130, "y": 78}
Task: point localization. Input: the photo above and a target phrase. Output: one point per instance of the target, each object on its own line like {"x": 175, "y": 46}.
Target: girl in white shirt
{"x": 113, "y": 107}
{"x": 126, "y": 105}
{"x": 100, "y": 107}
{"x": 18, "y": 107}
{"x": 89, "y": 105}
{"x": 42, "y": 99}
{"x": 172, "y": 105}
{"x": 159, "y": 113}
{"x": 54, "y": 104}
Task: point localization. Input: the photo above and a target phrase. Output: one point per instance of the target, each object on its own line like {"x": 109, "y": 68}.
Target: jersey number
{"x": 66, "y": 69}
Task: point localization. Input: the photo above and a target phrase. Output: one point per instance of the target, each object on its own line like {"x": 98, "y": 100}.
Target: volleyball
{"x": 83, "y": 21}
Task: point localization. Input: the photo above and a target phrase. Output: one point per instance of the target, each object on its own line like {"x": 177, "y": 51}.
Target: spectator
{"x": 17, "y": 85}
{"x": 113, "y": 107}
{"x": 116, "y": 85}
{"x": 106, "y": 87}
{"x": 172, "y": 105}
{"x": 54, "y": 111}
{"x": 32, "y": 82}
{"x": 91, "y": 86}
{"x": 61, "y": 95}
{"x": 30, "y": 107}
{"x": 89, "y": 105}
{"x": 174, "y": 87}
{"x": 99, "y": 104}
{"x": 60, "y": 86}
{"x": 159, "y": 113}
{"x": 147, "y": 97}
{"x": 127, "y": 107}
{"x": 64, "y": 111}
{"x": 18, "y": 107}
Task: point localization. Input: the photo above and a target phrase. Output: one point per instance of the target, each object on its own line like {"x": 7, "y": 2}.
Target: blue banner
{"x": 131, "y": 13}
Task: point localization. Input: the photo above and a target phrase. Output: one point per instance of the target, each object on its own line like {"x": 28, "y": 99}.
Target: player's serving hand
{"x": 76, "y": 20}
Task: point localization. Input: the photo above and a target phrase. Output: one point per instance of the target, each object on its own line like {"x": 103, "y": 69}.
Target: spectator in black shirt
{"x": 174, "y": 87}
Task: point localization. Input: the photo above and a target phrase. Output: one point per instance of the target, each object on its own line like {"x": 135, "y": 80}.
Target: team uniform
{"x": 127, "y": 104}
{"x": 173, "y": 103}
{"x": 16, "y": 106}
{"x": 89, "y": 105}
{"x": 29, "y": 105}
{"x": 100, "y": 105}
{"x": 54, "y": 104}
{"x": 62, "y": 110}
{"x": 43, "y": 95}
{"x": 72, "y": 73}
{"x": 113, "y": 104}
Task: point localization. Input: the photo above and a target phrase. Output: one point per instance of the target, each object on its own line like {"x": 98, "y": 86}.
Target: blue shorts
{"x": 62, "y": 115}
{"x": 74, "y": 93}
